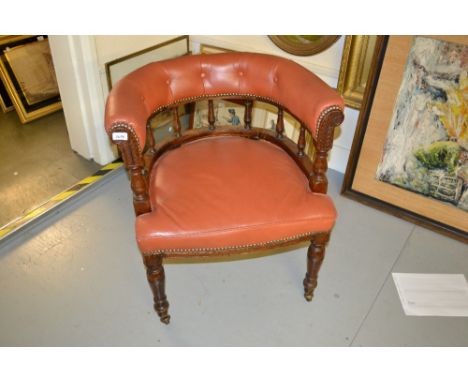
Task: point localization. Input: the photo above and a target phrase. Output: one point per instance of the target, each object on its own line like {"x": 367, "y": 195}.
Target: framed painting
{"x": 120, "y": 67}
{"x": 226, "y": 112}
{"x": 6, "y": 104}
{"x": 303, "y": 45}
{"x": 410, "y": 152}
{"x": 355, "y": 68}
{"x": 27, "y": 72}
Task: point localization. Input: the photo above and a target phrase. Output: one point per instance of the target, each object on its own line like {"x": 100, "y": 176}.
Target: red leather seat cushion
{"x": 224, "y": 192}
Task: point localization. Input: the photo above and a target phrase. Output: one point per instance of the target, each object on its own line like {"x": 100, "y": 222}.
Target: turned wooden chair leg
{"x": 315, "y": 256}
{"x": 157, "y": 281}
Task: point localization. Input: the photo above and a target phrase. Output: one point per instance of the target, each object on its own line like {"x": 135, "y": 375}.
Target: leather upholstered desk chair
{"x": 225, "y": 190}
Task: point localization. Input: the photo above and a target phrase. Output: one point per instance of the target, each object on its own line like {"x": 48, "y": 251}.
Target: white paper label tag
{"x": 432, "y": 294}
{"x": 119, "y": 136}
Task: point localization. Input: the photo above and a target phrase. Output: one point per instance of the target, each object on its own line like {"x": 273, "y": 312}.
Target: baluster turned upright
{"x": 135, "y": 165}
{"x": 248, "y": 115}
{"x": 176, "y": 122}
{"x": 150, "y": 137}
{"x": 301, "y": 142}
{"x": 323, "y": 143}
{"x": 280, "y": 124}
{"x": 149, "y": 154}
{"x": 318, "y": 182}
{"x": 211, "y": 115}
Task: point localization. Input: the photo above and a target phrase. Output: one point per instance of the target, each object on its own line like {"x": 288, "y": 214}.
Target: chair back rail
{"x": 176, "y": 122}
{"x": 248, "y": 114}
{"x": 140, "y": 150}
{"x": 280, "y": 124}
{"x": 301, "y": 141}
{"x": 211, "y": 115}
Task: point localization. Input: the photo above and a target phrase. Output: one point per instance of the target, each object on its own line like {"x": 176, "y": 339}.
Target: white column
{"x": 77, "y": 70}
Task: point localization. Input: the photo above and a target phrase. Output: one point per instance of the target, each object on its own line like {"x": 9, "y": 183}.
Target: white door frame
{"x": 77, "y": 69}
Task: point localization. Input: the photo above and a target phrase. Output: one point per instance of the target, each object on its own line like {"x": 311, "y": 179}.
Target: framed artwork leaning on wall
{"x": 410, "y": 152}
{"x": 27, "y": 71}
{"x": 355, "y": 68}
{"x": 121, "y": 66}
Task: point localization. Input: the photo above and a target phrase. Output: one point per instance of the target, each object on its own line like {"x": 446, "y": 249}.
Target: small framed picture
{"x": 27, "y": 72}
{"x": 410, "y": 152}
{"x": 120, "y": 67}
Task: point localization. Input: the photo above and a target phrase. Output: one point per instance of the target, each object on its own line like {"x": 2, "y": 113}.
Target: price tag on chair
{"x": 120, "y": 136}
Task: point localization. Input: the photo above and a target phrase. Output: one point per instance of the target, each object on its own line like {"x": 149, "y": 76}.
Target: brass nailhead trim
{"x": 322, "y": 116}
{"x": 234, "y": 247}
{"x": 195, "y": 98}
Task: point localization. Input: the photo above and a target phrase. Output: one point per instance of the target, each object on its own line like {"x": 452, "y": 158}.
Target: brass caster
{"x": 165, "y": 320}
{"x": 308, "y": 297}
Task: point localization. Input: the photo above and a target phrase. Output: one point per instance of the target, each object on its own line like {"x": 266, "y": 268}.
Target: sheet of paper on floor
{"x": 432, "y": 294}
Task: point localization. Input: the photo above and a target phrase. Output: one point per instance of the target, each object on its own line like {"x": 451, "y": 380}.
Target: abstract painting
{"x": 426, "y": 148}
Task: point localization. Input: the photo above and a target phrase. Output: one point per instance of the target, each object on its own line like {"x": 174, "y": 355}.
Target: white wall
{"x": 109, "y": 48}
{"x": 83, "y": 103}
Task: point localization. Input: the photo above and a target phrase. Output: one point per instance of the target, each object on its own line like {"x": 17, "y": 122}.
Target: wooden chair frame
{"x": 139, "y": 165}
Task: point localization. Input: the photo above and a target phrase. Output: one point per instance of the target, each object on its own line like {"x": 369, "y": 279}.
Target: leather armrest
{"x": 126, "y": 108}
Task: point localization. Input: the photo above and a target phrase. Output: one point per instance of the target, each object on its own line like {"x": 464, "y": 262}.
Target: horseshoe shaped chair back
{"x": 232, "y": 189}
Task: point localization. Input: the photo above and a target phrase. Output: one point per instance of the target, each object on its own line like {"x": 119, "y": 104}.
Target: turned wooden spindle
{"x": 248, "y": 115}
{"x": 301, "y": 142}
{"x": 190, "y": 110}
{"x": 138, "y": 182}
{"x": 324, "y": 141}
{"x": 318, "y": 181}
{"x": 176, "y": 122}
{"x": 211, "y": 115}
{"x": 138, "y": 185}
{"x": 280, "y": 124}
{"x": 151, "y": 150}
{"x": 150, "y": 137}
{"x": 134, "y": 164}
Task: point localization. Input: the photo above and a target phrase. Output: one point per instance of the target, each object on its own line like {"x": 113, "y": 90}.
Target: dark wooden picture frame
{"x": 147, "y": 51}
{"x": 350, "y": 190}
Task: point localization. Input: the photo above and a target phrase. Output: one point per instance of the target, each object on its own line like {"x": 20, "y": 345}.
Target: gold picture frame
{"x": 355, "y": 68}
{"x": 361, "y": 183}
{"x": 211, "y": 49}
{"x": 303, "y": 45}
{"x": 119, "y": 67}
{"x": 25, "y": 61}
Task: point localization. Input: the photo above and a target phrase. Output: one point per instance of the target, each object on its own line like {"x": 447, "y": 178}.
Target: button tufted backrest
{"x": 156, "y": 85}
